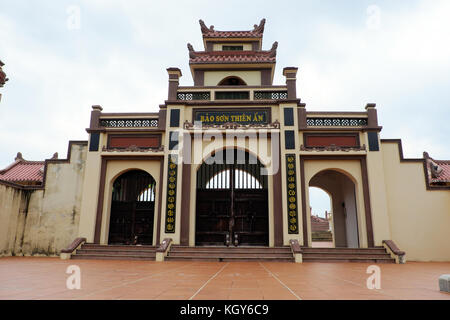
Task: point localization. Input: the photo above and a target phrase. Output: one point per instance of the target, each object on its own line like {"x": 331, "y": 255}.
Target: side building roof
{"x": 438, "y": 170}
{"x": 24, "y": 172}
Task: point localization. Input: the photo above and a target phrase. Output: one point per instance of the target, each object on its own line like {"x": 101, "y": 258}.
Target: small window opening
{"x": 232, "y": 81}
{"x": 232, "y": 48}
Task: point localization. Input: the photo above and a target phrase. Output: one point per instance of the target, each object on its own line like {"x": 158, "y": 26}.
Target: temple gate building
{"x": 222, "y": 172}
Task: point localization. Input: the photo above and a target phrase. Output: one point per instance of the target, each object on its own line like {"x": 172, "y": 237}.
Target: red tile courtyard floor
{"x": 45, "y": 278}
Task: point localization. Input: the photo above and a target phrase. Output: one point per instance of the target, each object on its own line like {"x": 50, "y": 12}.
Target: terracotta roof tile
{"x": 257, "y": 31}
{"x": 444, "y": 176}
{"x": 232, "y": 34}
{"x": 23, "y": 171}
{"x": 438, "y": 170}
{"x": 319, "y": 224}
{"x": 232, "y": 57}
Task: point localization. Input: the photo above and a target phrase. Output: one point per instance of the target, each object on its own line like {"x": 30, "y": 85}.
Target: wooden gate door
{"x": 232, "y": 201}
{"x": 132, "y": 209}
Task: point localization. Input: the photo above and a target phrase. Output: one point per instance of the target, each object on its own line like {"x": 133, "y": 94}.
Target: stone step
{"x": 231, "y": 249}
{"x": 344, "y": 255}
{"x": 228, "y": 254}
{"x": 353, "y": 259}
{"x": 322, "y": 235}
{"x": 222, "y": 253}
{"x": 229, "y": 259}
{"x": 363, "y": 255}
{"x": 187, "y": 252}
{"x": 119, "y": 247}
{"x": 117, "y": 252}
{"x": 111, "y": 257}
{"x": 344, "y": 250}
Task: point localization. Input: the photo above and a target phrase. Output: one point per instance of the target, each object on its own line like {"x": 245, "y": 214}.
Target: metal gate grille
{"x": 132, "y": 208}
{"x": 232, "y": 200}
{"x": 216, "y": 171}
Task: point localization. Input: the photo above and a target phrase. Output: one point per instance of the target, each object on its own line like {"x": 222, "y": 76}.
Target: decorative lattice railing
{"x": 188, "y": 96}
{"x": 336, "y": 122}
{"x": 128, "y": 123}
{"x": 270, "y": 95}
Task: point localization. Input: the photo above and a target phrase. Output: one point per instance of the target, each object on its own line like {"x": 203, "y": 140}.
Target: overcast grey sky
{"x": 349, "y": 53}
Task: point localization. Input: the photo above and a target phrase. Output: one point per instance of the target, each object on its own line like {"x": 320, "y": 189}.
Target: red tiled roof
{"x": 444, "y": 175}
{"x": 232, "y": 34}
{"x": 319, "y": 224}
{"x": 23, "y": 171}
{"x": 438, "y": 170}
{"x": 232, "y": 57}
{"x": 257, "y": 32}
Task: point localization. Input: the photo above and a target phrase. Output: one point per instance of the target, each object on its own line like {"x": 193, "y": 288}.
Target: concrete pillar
{"x": 291, "y": 81}
{"x": 174, "y": 76}
{"x": 372, "y": 117}
{"x": 95, "y": 117}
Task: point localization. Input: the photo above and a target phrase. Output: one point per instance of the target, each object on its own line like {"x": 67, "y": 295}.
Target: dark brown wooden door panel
{"x": 232, "y": 203}
{"x": 132, "y": 209}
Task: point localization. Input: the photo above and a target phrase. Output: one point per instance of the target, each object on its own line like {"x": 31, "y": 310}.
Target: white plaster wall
{"x": 351, "y": 220}
{"x": 419, "y": 218}
{"x": 50, "y": 221}
{"x": 378, "y": 194}
{"x": 12, "y": 218}
{"x": 251, "y": 78}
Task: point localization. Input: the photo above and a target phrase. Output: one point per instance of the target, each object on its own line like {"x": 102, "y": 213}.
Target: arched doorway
{"x": 320, "y": 205}
{"x": 344, "y": 215}
{"x": 232, "y": 200}
{"x": 132, "y": 209}
{"x": 232, "y": 81}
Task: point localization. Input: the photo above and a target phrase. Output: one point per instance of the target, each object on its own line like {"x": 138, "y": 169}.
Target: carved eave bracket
{"x": 273, "y": 50}
{"x": 192, "y": 54}
{"x": 204, "y": 28}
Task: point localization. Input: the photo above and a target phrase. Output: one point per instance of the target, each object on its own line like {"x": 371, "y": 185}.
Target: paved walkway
{"x": 45, "y": 278}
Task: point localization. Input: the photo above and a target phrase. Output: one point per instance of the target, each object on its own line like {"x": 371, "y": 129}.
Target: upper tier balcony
{"x": 232, "y": 93}
{"x": 130, "y": 121}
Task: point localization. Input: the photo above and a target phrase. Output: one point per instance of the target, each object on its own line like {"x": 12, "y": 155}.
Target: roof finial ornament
{"x": 204, "y": 28}
{"x": 260, "y": 28}
{"x": 273, "y": 50}
{"x": 435, "y": 169}
{"x": 192, "y": 54}
{"x": 3, "y": 77}
{"x": 18, "y": 156}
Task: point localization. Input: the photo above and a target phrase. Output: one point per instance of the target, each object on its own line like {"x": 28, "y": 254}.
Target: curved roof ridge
{"x": 256, "y": 32}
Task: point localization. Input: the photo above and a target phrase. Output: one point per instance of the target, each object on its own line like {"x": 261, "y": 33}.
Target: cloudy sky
{"x": 62, "y": 57}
